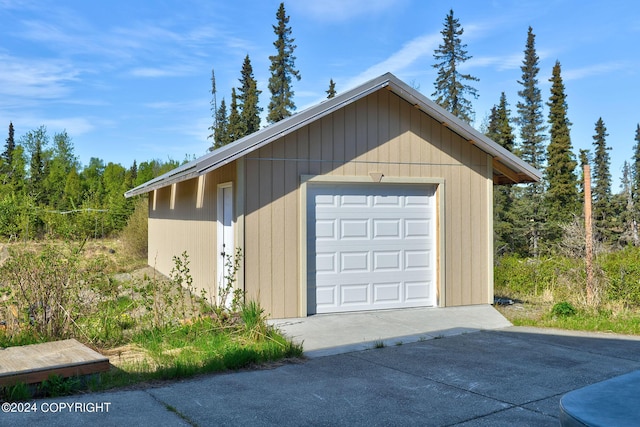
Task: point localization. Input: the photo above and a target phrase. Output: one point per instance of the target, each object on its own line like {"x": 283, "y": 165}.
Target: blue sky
{"x": 131, "y": 79}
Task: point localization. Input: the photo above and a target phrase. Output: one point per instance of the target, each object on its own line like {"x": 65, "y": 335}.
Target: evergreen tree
{"x": 634, "y": 178}
{"x": 221, "y": 133}
{"x": 601, "y": 193}
{"x": 331, "y": 92}
{"x": 532, "y": 139}
{"x": 6, "y": 161}
{"x": 282, "y": 70}
{"x": 626, "y": 207}
{"x": 10, "y": 146}
{"x": 635, "y": 174}
{"x": 214, "y": 111}
{"x": 36, "y": 142}
{"x": 235, "y": 129}
{"x": 62, "y": 163}
{"x": 530, "y": 108}
{"x": 248, "y": 97}
{"x": 451, "y": 86}
{"x": 500, "y": 130}
{"x": 561, "y": 196}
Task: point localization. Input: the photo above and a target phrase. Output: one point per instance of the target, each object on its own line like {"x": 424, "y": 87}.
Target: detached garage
{"x": 375, "y": 199}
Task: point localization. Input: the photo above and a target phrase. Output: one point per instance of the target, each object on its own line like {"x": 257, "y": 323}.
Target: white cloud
{"x": 402, "y": 59}
{"x": 22, "y": 79}
{"x": 592, "y": 70}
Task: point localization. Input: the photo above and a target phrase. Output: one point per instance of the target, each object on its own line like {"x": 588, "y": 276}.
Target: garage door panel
{"x": 387, "y": 228}
{"x": 326, "y": 296}
{"x": 416, "y": 228}
{"x": 417, "y": 291}
{"x": 326, "y": 263}
{"x": 417, "y": 260}
{"x": 387, "y": 260}
{"x": 387, "y": 292}
{"x": 325, "y": 229}
{"x": 387, "y": 201}
{"x": 370, "y": 247}
{"x": 354, "y": 294}
{"x": 354, "y": 228}
{"x": 354, "y": 262}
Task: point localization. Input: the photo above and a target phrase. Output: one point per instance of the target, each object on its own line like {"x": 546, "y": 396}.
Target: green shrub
{"x": 563, "y": 309}
{"x": 134, "y": 235}
{"x": 522, "y": 277}
{"x": 622, "y": 272}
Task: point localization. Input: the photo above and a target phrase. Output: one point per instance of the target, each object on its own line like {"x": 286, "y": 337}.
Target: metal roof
{"x": 508, "y": 168}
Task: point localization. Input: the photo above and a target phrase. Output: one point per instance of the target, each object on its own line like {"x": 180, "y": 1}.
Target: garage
{"x": 370, "y": 246}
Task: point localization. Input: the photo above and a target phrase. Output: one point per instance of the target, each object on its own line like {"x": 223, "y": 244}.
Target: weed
{"x": 56, "y": 386}
{"x": 16, "y": 392}
{"x": 563, "y": 309}
{"x": 378, "y": 344}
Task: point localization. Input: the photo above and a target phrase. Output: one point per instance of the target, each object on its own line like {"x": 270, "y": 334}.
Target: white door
{"x": 370, "y": 246}
{"x": 225, "y": 244}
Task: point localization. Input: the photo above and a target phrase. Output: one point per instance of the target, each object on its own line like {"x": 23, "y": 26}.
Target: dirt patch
{"x": 126, "y": 355}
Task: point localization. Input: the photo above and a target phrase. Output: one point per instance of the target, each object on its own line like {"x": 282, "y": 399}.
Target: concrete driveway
{"x": 501, "y": 376}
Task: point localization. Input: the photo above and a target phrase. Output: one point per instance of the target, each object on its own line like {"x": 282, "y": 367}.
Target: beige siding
{"x": 380, "y": 133}
{"x": 189, "y": 226}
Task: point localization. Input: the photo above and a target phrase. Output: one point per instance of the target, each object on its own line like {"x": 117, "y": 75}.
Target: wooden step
{"x": 34, "y": 363}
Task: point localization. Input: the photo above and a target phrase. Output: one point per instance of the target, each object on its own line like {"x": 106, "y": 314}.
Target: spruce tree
{"x": 625, "y": 206}
{"x": 500, "y": 130}
{"x": 635, "y": 170}
{"x": 248, "y": 97}
{"x": 561, "y": 196}
{"x": 331, "y": 92}
{"x": 634, "y": 173}
{"x": 214, "y": 111}
{"x": 221, "y": 132}
{"x": 529, "y": 107}
{"x": 6, "y": 159}
{"x": 235, "y": 129}
{"x": 451, "y": 85}
{"x": 530, "y": 120}
{"x": 282, "y": 70}
{"x": 601, "y": 193}
{"x": 10, "y": 146}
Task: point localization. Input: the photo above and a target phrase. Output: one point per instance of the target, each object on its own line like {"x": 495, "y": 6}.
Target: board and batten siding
{"x": 182, "y": 217}
{"x": 380, "y": 133}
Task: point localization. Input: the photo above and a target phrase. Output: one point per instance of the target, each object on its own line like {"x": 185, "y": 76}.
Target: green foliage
{"x": 561, "y": 196}
{"x": 135, "y": 233}
{"x": 521, "y": 277}
{"x": 450, "y": 85}
{"x": 563, "y": 309}
{"x": 603, "y": 213}
{"x": 248, "y": 96}
{"x": 622, "y": 270}
{"x": 530, "y": 107}
{"x": 331, "y": 92}
{"x": 56, "y": 386}
{"x": 16, "y": 392}
{"x": 44, "y": 291}
{"x": 282, "y": 70}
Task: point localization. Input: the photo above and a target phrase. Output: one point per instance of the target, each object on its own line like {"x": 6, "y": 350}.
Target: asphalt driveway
{"x": 510, "y": 376}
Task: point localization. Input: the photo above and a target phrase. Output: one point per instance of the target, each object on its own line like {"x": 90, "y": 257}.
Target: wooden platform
{"x": 34, "y": 363}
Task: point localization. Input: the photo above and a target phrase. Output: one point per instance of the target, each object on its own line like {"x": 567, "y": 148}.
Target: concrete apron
{"x": 329, "y": 334}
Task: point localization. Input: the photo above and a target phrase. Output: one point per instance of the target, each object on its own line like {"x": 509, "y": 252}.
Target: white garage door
{"x": 370, "y": 246}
